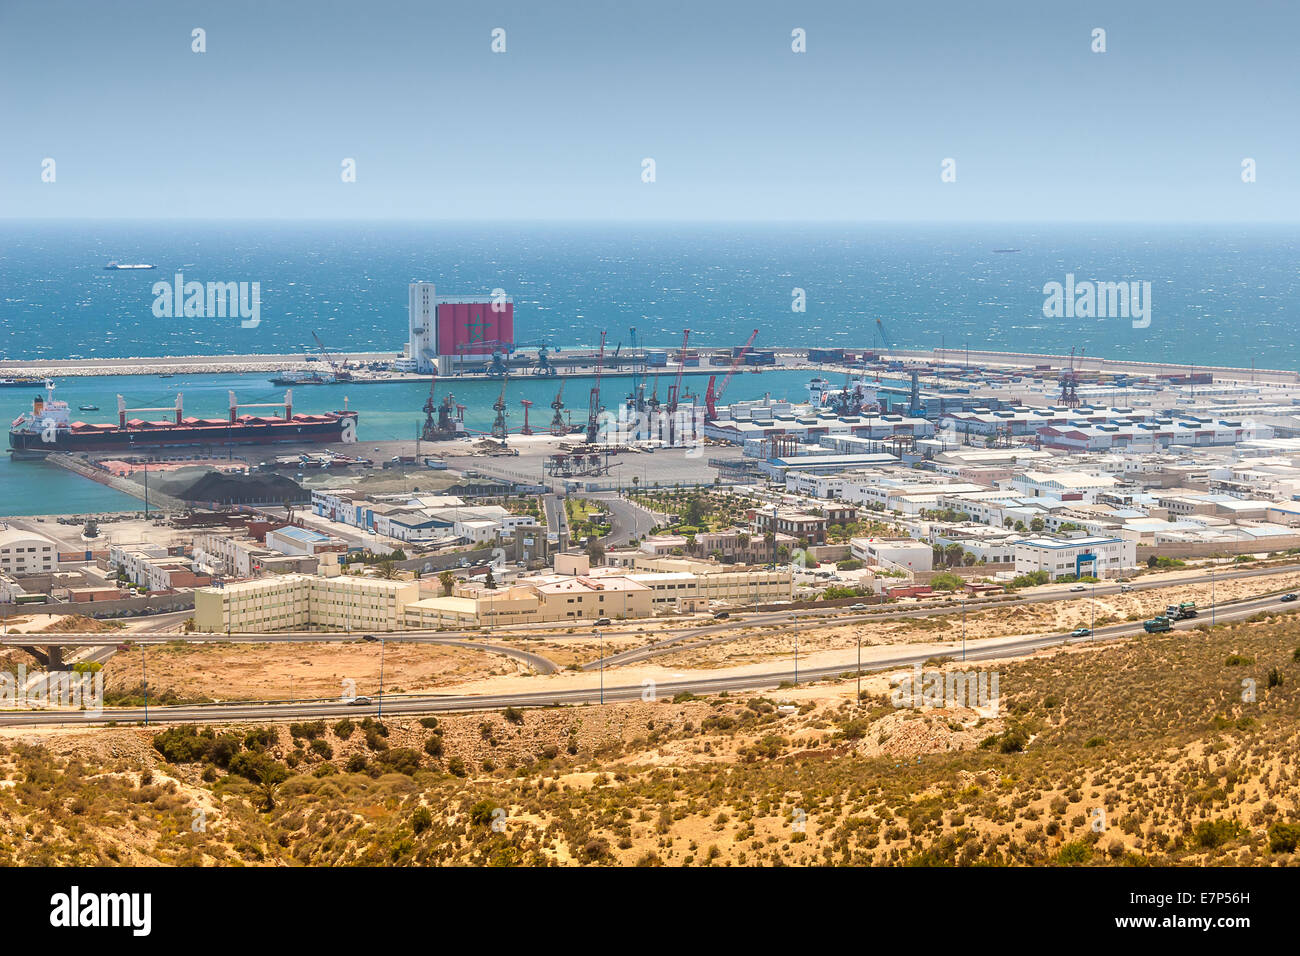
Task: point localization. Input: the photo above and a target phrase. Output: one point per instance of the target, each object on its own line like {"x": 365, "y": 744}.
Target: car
{"x": 857, "y": 607}
{"x": 1081, "y": 632}
{"x": 602, "y": 621}
{"x": 721, "y": 615}
{"x": 1125, "y": 588}
{"x": 1078, "y": 587}
{"x": 360, "y": 701}
{"x": 1290, "y": 596}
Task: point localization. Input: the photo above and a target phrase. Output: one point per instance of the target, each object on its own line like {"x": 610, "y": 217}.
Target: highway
{"x": 989, "y": 648}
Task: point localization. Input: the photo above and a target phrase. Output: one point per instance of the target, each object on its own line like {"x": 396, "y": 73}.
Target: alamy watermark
{"x": 973, "y": 689}
{"x": 1098, "y": 300}
{"x": 53, "y": 690}
{"x": 213, "y": 300}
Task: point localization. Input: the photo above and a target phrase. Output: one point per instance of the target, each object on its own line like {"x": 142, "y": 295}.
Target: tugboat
{"x": 88, "y": 408}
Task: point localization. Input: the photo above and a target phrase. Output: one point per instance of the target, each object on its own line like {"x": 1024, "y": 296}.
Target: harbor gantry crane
{"x": 557, "y": 423}
{"x": 676, "y": 386}
{"x": 340, "y": 373}
{"x": 1070, "y": 385}
{"x": 445, "y": 427}
{"x": 593, "y": 407}
{"x": 527, "y": 429}
{"x": 499, "y": 406}
{"x": 711, "y": 398}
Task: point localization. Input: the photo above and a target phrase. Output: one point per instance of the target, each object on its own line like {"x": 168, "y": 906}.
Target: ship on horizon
{"x": 115, "y": 265}
{"x": 49, "y": 427}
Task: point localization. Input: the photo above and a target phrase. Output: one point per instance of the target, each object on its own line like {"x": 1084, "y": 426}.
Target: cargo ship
{"x": 49, "y": 427}
{"x": 19, "y": 382}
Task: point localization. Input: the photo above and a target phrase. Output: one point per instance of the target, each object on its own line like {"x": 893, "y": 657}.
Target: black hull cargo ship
{"x": 49, "y": 427}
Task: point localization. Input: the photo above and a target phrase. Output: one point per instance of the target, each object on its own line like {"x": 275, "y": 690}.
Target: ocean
{"x": 1220, "y": 294}
{"x": 1223, "y": 295}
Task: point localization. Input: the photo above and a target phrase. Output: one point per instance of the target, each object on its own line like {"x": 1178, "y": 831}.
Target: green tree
{"x": 262, "y": 770}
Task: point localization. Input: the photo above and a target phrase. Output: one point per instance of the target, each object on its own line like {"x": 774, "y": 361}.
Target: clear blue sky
{"x": 740, "y": 127}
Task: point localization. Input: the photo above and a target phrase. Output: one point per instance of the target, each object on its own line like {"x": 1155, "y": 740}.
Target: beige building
{"x": 306, "y": 602}
{"x": 577, "y": 592}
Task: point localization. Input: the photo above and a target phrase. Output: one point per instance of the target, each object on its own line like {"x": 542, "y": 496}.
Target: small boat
{"x": 115, "y": 266}
{"x": 165, "y": 375}
{"x": 88, "y": 408}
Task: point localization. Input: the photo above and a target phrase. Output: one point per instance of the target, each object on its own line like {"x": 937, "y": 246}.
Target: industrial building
{"x": 442, "y": 329}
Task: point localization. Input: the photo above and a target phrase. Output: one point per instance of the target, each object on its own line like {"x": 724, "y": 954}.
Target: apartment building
{"x": 800, "y": 526}
{"x": 150, "y": 566}
{"x": 305, "y": 601}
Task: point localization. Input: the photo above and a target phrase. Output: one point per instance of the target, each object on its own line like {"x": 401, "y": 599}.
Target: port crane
{"x": 557, "y": 423}
{"x": 593, "y": 408}
{"x": 445, "y": 427}
{"x": 711, "y": 398}
{"x": 1070, "y": 384}
{"x": 880, "y": 327}
{"x": 527, "y": 429}
{"x": 499, "y": 406}
{"x": 340, "y": 373}
{"x": 675, "y": 388}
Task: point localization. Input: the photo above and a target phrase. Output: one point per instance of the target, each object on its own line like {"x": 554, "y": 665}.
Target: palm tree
{"x": 388, "y": 569}
{"x": 448, "y": 581}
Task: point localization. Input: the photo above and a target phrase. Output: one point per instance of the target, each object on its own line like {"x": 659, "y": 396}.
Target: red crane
{"x": 711, "y": 398}
{"x": 527, "y": 429}
{"x": 593, "y": 410}
{"x": 681, "y": 367}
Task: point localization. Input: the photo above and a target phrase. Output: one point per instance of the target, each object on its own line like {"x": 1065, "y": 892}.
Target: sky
{"x": 740, "y": 127}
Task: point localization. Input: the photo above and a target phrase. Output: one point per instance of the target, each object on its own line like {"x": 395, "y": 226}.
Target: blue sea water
{"x": 387, "y": 412}
{"x": 1220, "y": 294}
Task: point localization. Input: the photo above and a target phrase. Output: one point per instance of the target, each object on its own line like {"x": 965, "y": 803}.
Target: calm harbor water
{"x": 386, "y": 412}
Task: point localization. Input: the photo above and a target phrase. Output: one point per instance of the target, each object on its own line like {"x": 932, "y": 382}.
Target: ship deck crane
{"x": 593, "y": 409}
{"x": 880, "y": 327}
{"x": 711, "y": 398}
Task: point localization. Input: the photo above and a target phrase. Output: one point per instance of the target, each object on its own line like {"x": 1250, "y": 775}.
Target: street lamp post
{"x": 963, "y": 627}
{"x": 601, "y": 638}
{"x": 859, "y": 697}
{"x": 144, "y": 671}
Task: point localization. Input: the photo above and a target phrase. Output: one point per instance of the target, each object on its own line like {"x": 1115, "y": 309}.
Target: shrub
{"x": 480, "y": 815}
{"x": 1284, "y": 837}
{"x": 1215, "y": 833}
{"x": 343, "y": 729}
{"x": 514, "y": 715}
{"x": 421, "y": 820}
{"x": 398, "y": 760}
{"x": 456, "y": 766}
{"x": 1074, "y": 853}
